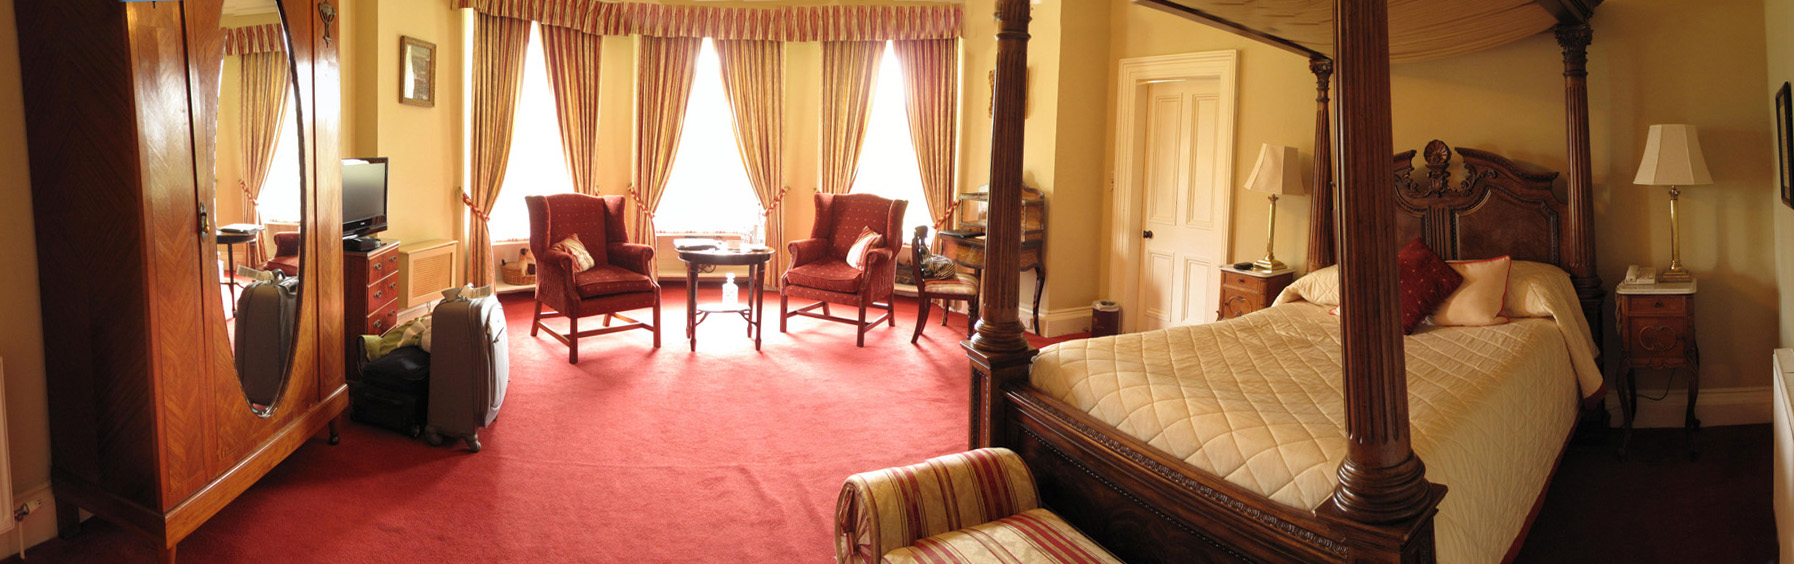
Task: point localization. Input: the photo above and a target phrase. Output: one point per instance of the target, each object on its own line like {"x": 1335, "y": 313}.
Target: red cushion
{"x": 827, "y": 274}
{"x": 284, "y": 263}
{"x": 605, "y": 280}
{"x": 1426, "y": 280}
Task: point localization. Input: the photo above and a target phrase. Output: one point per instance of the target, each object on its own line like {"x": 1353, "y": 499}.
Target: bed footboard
{"x": 1147, "y": 507}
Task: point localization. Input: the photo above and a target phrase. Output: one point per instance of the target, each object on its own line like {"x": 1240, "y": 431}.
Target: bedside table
{"x": 1656, "y": 324}
{"x": 1246, "y": 291}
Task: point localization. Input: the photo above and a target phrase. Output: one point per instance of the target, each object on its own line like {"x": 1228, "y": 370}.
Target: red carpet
{"x": 634, "y": 455}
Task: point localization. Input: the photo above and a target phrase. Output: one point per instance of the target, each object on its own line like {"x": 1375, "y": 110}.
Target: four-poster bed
{"x": 1147, "y": 505}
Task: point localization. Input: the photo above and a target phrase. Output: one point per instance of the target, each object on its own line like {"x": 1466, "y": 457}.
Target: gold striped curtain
{"x": 572, "y": 58}
{"x": 262, "y": 90}
{"x": 498, "y": 49}
{"x": 664, "y": 70}
{"x": 754, "y": 81}
{"x": 848, "y": 70}
{"x": 931, "y": 93}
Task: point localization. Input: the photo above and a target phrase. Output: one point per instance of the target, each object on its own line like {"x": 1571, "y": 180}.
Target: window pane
{"x": 537, "y": 165}
{"x": 888, "y": 158}
{"x": 279, "y": 200}
{"x": 708, "y": 189}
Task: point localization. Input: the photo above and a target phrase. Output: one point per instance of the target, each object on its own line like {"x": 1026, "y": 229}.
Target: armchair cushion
{"x": 1036, "y": 535}
{"x": 806, "y": 251}
{"x": 853, "y": 213}
{"x": 885, "y": 510}
{"x": 827, "y": 274}
{"x": 608, "y": 279}
{"x": 959, "y": 285}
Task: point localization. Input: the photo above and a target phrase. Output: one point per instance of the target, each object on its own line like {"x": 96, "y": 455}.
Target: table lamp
{"x": 1278, "y": 173}
{"x": 1672, "y": 157}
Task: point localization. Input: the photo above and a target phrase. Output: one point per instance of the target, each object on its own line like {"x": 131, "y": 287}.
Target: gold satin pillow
{"x": 1478, "y": 301}
{"x": 582, "y": 259}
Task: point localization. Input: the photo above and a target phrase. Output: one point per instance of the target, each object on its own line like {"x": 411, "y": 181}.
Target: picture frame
{"x": 417, "y": 72}
{"x": 1784, "y": 142}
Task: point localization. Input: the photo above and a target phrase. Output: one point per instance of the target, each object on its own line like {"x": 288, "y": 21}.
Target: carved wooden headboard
{"x": 1497, "y": 209}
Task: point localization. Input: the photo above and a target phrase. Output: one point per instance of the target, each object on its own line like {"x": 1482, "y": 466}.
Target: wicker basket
{"x": 517, "y": 273}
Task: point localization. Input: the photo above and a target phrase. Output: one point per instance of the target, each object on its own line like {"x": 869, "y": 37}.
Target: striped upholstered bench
{"x": 967, "y": 508}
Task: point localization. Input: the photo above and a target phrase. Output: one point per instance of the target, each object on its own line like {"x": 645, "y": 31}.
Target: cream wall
{"x": 1778, "y": 18}
{"x": 21, "y": 326}
{"x": 1650, "y": 63}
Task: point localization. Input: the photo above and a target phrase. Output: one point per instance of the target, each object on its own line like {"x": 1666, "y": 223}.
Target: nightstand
{"x": 1246, "y": 291}
{"x": 1656, "y": 324}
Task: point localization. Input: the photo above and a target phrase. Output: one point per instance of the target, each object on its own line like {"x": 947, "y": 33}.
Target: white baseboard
{"x": 39, "y": 526}
{"x": 1058, "y": 322}
{"x": 1716, "y": 407}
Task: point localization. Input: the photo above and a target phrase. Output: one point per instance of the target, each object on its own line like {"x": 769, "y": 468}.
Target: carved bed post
{"x": 999, "y": 353}
{"x": 1383, "y": 496}
{"x": 1580, "y": 256}
{"x": 1321, "y": 220}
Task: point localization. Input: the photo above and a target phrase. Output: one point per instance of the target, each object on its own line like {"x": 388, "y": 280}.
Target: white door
{"x": 1184, "y": 203}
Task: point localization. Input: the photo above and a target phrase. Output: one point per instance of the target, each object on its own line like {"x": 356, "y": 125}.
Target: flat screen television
{"x": 364, "y": 196}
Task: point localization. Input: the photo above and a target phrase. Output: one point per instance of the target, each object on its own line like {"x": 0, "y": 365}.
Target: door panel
{"x": 1186, "y": 202}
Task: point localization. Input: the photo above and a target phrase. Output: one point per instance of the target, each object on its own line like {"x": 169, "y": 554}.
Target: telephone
{"x": 1643, "y": 275}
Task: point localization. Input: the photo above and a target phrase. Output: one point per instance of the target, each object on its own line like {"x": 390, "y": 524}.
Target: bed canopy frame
{"x": 1147, "y": 506}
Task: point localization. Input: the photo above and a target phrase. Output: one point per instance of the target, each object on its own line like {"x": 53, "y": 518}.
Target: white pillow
{"x": 1480, "y": 299}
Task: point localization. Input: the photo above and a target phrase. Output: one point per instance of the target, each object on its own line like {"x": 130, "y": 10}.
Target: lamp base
{"x": 1268, "y": 265}
{"x": 1675, "y": 275}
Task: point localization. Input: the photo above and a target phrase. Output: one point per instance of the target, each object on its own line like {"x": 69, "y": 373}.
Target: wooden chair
{"x": 961, "y": 287}
{"x": 621, "y": 280}
{"x": 819, "y": 269}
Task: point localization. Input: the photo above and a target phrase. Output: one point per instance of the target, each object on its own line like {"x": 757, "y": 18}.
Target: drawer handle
{"x": 1659, "y": 303}
{"x": 378, "y": 266}
{"x": 377, "y": 294}
{"x": 393, "y": 259}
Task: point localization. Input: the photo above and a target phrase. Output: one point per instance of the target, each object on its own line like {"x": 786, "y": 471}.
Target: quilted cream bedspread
{"x": 1258, "y": 401}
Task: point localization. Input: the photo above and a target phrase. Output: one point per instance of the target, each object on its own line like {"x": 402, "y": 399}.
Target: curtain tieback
{"x": 767, "y": 211}
{"x": 947, "y": 215}
{"x": 475, "y": 209}
{"x": 251, "y": 197}
{"x": 639, "y": 204}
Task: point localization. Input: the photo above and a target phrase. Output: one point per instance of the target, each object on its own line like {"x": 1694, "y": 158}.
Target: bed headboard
{"x": 1496, "y": 209}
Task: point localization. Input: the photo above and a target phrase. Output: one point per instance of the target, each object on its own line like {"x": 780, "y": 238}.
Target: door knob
{"x": 1146, "y": 234}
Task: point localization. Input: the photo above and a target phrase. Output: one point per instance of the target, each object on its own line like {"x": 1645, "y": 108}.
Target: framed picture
{"x": 417, "y": 74}
{"x": 1784, "y": 143}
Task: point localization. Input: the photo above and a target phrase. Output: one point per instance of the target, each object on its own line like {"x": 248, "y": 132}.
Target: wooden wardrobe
{"x": 149, "y": 427}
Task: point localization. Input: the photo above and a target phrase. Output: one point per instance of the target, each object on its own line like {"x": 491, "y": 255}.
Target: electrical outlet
{"x": 26, "y": 509}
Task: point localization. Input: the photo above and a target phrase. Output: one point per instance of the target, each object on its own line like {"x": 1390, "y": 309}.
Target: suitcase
{"x": 469, "y": 365}
{"x": 393, "y": 391}
{"x": 264, "y": 336}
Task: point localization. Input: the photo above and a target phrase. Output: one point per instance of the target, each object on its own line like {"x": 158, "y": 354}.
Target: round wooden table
{"x": 750, "y": 308}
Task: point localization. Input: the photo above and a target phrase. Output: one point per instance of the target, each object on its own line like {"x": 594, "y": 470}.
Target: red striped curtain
{"x": 498, "y": 48}
{"x": 664, "y": 70}
{"x": 808, "y": 23}
{"x": 572, "y": 59}
{"x": 848, "y": 70}
{"x": 931, "y": 94}
{"x": 265, "y": 38}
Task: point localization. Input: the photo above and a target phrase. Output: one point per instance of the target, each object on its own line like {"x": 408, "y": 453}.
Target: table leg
{"x": 1628, "y": 382}
{"x": 1693, "y": 423}
{"x": 230, "y": 274}
{"x": 759, "y": 302}
{"x": 691, "y": 304}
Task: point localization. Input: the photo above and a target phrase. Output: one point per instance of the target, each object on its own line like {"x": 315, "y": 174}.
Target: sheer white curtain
{"x": 537, "y": 165}
{"x": 888, "y": 158}
{"x": 708, "y": 190}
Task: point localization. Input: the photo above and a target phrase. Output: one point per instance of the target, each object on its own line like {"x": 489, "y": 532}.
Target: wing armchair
{"x": 286, "y": 253}
{"x": 621, "y": 279}
{"x": 819, "y": 269}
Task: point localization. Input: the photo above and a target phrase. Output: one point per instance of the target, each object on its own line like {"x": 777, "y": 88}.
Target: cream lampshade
{"x": 1278, "y": 173}
{"x": 1672, "y": 157}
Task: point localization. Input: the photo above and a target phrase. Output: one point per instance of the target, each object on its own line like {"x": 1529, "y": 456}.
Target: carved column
{"x": 1321, "y": 220}
{"x": 998, "y": 352}
{"x": 1382, "y": 484}
{"x": 1580, "y": 256}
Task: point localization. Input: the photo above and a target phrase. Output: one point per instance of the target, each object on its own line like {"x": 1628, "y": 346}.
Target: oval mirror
{"x": 259, "y": 198}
